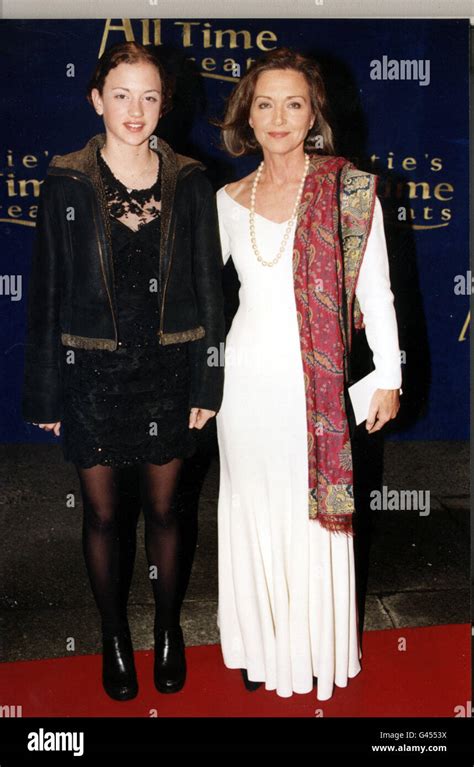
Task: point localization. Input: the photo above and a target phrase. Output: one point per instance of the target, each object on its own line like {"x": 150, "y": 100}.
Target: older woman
{"x": 287, "y": 608}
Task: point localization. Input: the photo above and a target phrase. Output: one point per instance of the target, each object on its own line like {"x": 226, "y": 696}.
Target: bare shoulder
{"x": 240, "y": 190}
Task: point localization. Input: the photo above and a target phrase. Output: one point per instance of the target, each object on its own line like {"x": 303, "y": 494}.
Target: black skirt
{"x": 126, "y": 407}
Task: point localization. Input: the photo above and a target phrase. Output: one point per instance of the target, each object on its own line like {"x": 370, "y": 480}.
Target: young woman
{"x": 287, "y": 608}
{"x": 125, "y": 299}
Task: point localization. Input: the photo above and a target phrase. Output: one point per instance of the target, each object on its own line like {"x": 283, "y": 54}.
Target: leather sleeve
{"x": 207, "y": 353}
{"x": 41, "y": 395}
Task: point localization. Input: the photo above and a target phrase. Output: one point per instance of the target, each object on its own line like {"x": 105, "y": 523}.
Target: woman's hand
{"x": 56, "y": 427}
{"x": 384, "y": 406}
{"x": 198, "y": 417}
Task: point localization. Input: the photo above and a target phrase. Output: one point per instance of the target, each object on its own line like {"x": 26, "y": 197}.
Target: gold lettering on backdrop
{"x": 262, "y": 36}
{"x": 186, "y": 35}
{"x": 233, "y": 43}
{"x": 438, "y": 190}
{"x": 22, "y": 186}
{"x": 125, "y": 27}
{"x": 22, "y": 212}
{"x": 220, "y": 38}
{"x": 146, "y": 31}
{"x": 206, "y": 36}
{"x": 467, "y": 322}
{"x": 399, "y": 188}
{"x": 412, "y": 189}
{"x": 208, "y": 64}
{"x": 192, "y": 32}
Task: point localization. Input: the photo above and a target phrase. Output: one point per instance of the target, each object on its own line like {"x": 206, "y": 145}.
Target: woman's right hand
{"x": 56, "y": 427}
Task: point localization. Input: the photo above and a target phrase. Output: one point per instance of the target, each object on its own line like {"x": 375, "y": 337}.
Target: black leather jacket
{"x": 71, "y": 298}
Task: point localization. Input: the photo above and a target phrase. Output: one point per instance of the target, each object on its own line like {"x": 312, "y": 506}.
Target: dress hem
{"x": 243, "y": 665}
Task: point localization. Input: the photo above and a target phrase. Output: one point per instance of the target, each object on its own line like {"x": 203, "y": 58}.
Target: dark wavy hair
{"x": 237, "y": 135}
{"x": 130, "y": 53}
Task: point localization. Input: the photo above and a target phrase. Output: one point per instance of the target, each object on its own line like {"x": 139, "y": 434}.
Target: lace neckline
{"x": 135, "y": 206}
{"x": 130, "y": 191}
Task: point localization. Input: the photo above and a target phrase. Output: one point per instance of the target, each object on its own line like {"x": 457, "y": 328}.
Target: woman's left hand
{"x": 384, "y": 406}
{"x": 198, "y": 417}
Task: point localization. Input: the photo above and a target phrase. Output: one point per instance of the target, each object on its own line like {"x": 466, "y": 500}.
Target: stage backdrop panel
{"x": 412, "y": 132}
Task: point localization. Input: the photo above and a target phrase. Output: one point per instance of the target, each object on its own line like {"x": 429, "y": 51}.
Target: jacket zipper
{"x": 101, "y": 257}
{"x": 160, "y": 332}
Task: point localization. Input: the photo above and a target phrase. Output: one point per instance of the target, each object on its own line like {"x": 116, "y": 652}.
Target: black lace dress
{"x": 131, "y": 405}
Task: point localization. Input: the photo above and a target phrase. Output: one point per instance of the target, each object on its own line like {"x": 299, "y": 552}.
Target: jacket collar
{"x": 85, "y": 159}
{"x": 174, "y": 166}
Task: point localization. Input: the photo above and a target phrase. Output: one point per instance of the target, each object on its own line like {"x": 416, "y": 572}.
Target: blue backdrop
{"x": 413, "y": 135}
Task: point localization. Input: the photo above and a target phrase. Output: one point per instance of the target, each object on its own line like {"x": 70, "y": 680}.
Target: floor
{"x": 413, "y": 568}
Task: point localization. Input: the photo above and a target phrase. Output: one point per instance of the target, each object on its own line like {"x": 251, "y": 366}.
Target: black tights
{"x": 110, "y": 516}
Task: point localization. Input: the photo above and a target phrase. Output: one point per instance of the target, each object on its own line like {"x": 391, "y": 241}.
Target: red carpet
{"x": 429, "y": 679}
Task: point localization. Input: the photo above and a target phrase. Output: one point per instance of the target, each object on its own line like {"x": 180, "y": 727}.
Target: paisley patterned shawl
{"x": 332, "y": 229}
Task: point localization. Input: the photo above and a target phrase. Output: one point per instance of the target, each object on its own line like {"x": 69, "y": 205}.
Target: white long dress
{"x": 287, "y": 604}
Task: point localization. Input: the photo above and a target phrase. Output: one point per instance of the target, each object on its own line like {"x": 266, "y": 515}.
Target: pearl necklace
{"x": 290, "y": 222}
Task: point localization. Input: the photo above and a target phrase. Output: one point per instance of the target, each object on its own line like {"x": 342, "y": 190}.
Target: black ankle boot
{"x": 119, "y": 676}
{"x": 251, "y": 686}
{"x": 170, "y": 662}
